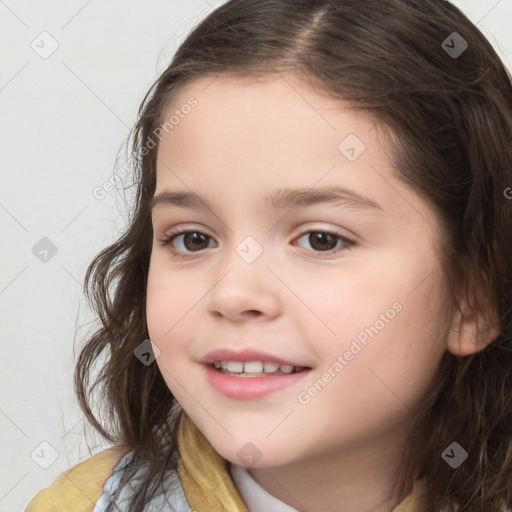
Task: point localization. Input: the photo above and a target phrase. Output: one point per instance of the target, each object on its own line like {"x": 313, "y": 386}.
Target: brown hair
{"x": 449, "y": 120}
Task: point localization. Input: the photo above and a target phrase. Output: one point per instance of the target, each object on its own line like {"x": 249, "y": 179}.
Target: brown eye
{"x": 326, "y": 242}
{"x": 184, "y": 243}
{"x": 191, "y": 241}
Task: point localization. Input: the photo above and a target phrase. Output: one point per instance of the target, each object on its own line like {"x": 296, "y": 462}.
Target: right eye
{"x": 193, "y": 241}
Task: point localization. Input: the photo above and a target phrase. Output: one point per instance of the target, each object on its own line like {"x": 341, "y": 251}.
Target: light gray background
{"x": 64, "y": 119}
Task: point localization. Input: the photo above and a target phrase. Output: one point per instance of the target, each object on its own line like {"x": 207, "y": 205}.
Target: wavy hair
{"x": 449, "y": 123}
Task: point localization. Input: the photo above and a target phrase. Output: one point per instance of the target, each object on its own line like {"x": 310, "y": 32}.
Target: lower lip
{"x": 250, "y": 387}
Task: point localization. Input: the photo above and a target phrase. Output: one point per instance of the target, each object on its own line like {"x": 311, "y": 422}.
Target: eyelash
{"x": 167, "y": 240}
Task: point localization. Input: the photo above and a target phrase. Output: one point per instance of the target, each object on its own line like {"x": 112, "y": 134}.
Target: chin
{"x": 250, "y": 455}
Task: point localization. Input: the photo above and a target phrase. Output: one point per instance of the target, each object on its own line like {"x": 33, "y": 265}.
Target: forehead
{"x": 274, "y": 123}
{"x": 245, "y": 139}
{"x": 270, "y": 98}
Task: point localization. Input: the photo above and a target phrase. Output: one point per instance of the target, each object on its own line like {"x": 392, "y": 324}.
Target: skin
{"x": 243, "y": 140}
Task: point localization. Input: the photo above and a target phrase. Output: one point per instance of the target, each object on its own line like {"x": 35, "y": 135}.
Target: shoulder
{"x": 171, "y": 495}
{"x": 78, "y": 488}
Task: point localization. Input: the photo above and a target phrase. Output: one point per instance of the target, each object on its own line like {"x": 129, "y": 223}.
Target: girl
{"x": 311, "y": 308}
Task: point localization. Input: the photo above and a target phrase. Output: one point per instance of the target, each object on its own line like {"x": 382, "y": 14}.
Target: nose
{"x": 244, "y": 292}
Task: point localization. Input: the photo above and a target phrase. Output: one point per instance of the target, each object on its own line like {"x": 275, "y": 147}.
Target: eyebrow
{"x": 278, "y": 199}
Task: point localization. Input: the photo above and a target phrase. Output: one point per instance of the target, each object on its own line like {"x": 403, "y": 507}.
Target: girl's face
{"x": 363, "y": 308}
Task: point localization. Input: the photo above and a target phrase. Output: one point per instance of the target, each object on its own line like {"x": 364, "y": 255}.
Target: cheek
{"x": 170, "y": 301}
{"x": 375, "y": 289}
{"x": 386, "y": 320}
{"x": 378, "y": 383}
{"x": 168, "y": 316}
{"x": 175, "y": 300}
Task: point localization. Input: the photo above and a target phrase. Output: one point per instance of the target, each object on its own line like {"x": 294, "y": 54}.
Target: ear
{"x": 471, "y": 332}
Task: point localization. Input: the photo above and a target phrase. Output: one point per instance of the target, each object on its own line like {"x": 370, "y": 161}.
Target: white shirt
{"x": 255, "y": 497}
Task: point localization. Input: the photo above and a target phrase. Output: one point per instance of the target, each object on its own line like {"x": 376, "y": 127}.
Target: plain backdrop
{"x": 72, "y": 76}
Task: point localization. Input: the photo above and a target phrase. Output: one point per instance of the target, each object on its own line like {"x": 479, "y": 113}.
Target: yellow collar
{"x": 204, "y": 474}
{"x": 206, "y": 480}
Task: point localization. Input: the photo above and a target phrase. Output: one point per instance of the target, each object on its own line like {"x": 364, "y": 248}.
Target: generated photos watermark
{"x": 101, "y": 191}
{"x": 305, "y": 397}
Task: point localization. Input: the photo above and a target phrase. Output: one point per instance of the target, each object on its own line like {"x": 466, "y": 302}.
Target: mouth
{"x": 255, "y": 368}
{"x": 248, "y": 380}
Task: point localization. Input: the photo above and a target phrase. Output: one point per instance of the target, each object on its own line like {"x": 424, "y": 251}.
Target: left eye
{"x": 195, "y": 241}
{"x": 326, "y": 241}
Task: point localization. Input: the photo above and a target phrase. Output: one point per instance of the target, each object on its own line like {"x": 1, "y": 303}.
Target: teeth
{"x": 255, "y": 367}
{"x": 270, "y": 367}
{"x": 235, "y": 366}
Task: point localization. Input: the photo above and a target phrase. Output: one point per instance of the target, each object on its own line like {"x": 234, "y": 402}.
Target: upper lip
{"x": 227, "y": 354}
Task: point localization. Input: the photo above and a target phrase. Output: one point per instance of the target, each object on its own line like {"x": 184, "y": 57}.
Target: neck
{"x": 355, "y": 479}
